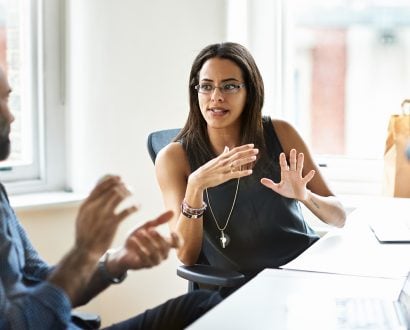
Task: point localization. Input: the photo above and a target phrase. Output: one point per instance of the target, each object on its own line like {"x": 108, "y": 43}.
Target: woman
{"x": 226, "y": 177}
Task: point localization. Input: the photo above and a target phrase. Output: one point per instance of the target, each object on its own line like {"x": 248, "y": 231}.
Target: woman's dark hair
{"x": 194, "y": 134}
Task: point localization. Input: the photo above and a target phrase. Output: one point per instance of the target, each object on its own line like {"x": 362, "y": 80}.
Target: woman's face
{"x": 221, "y": 107}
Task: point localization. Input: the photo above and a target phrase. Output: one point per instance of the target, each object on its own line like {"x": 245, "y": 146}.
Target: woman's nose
{"x": 217, "y": 94}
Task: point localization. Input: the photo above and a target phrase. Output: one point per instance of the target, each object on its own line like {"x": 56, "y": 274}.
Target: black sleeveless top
{"x": 265, "y": 228}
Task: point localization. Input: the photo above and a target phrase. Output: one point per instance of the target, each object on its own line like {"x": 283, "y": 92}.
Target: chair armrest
{"x": 86, "y": 320}
{"x": 205, "y": 274}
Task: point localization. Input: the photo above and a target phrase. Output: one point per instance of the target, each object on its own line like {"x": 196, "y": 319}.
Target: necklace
{"x": 224, "y": 239}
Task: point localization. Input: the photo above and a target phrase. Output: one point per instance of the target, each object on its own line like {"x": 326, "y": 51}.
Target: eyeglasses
{"x": 227, "y": 88}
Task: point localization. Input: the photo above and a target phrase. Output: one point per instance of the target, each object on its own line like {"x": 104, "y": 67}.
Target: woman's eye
{"x": 229, "y": 87}
{"x": 206, "y": 87}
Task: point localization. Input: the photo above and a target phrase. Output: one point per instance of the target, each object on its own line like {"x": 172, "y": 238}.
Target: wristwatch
{"x": 102, "y": 268}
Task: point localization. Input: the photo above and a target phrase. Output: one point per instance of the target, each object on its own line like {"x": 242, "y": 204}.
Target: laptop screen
{"x": 404, "y": 298}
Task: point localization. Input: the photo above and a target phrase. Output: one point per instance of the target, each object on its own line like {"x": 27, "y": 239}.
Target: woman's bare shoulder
{"x": 288, "y": 136}
{"x": 281, "y": 125}
{"x": 172, "y": 155}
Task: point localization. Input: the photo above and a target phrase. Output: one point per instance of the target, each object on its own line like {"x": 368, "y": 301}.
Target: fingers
{"x": 148, "y": 246}
{"x": 237, "y": 158}
{"x": 292, "y": 160}
{"x": 149, "y": 252}
{"x": 126, "y": 212}
{"x": 139, "y": 254}
{"x": 300, "y": 162}
{"x": 236, "y": 174}
{"x": 175, "y": 241}
{"x": 98, "y": 219}
{"x": 115, "y": 195}
{"x": 283, "y": 163}
{"x": 229, "y": 152}
{"x": 236, "y": 165}
{"x": 103, "y": 185}
{"x": 309, "y": 176}
{"x": 109, "y": 192}
{"x": 160, "y": 220}
{"x": 150, "y": 243}
{"x": 238, "y": 152}
{"x": 296, "y": 161}
{"x": 269, "y": 183}
{"x": 296, "y": 164}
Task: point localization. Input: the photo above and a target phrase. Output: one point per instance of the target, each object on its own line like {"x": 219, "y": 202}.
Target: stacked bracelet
{"x": 192, "y": 213}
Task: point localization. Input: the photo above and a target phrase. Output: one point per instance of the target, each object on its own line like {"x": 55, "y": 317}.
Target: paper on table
{"x": 354, "y": 250}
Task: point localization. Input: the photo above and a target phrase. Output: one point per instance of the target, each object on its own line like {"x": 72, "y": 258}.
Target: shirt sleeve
{"x": 35, "y": 267}
{"x": 27, "y": 299}
{"x": 41, "y": 307}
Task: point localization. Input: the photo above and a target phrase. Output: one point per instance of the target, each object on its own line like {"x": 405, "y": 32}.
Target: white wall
{"x": 128, "y": 65}
{"x": 126, "y": 75}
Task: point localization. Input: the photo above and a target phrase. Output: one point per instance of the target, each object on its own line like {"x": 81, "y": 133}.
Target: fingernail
{"x": 129, "y": 188}
{"x": 104, "y": 177}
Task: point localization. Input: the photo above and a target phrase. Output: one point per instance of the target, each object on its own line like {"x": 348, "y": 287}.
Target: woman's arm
{"x": 172, "y": 171}
{"x": 303, "y": 175}
{"x": 178, "y": 184}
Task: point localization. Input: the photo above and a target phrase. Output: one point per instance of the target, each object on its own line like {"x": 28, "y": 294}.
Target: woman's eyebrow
{"x": 223, "y": 80}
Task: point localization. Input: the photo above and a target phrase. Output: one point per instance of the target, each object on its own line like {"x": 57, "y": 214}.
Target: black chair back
{"x": 159, "y": 139}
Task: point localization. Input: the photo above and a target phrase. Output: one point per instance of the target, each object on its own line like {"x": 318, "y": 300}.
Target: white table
{"x": 355, "y": 250}
{"x": 286, "y": 299}
{"x": 345, "y": 262}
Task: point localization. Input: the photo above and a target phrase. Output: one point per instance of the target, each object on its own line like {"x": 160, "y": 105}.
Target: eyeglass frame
{"x": 236, "y": 90}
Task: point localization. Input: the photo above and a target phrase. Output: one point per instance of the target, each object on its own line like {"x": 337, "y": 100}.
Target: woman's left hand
{"x": 292, "y": 183}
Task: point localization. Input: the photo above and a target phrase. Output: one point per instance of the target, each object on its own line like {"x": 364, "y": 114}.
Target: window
{"x": 28, "y": 31}
{"x": 347, "y": 73}
{"x": 17, "y": 56}
{"x": 336, "y": 69}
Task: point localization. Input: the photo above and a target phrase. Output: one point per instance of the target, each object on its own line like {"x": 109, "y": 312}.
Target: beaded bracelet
{"x": 192, "y": 213}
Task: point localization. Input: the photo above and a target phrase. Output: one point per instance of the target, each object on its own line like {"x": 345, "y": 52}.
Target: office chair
{"x": 200, "y": 274}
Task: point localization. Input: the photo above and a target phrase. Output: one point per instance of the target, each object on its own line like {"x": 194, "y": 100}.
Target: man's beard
{"x": 4, "y": 139}
{"x": 4, "y": 148}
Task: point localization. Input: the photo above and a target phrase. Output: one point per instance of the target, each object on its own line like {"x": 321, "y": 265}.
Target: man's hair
{"x": 194, "y": 134}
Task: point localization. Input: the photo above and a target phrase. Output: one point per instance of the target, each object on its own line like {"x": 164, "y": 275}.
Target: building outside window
{"x": 31, "y": 34}
{"x": 14, "y": 47}
{"x": 347, "y": 72}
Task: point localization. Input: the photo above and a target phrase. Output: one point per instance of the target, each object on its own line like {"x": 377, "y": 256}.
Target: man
{"x": 36, "y": 296}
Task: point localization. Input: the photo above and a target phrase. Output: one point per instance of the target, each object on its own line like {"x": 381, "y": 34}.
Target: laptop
{"x": 375, "y": 313}
{"x": 353, "y": 312}
{"x": 385, "y": 232}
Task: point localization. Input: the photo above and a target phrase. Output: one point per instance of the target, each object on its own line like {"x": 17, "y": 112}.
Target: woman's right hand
{"x": 230, "y": 164}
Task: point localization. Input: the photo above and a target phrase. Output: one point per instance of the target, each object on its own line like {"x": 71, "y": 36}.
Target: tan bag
{"x": 396, "y": 164}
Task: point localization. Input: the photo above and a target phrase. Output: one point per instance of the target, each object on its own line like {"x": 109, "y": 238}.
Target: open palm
{"x": 292, "y": 183}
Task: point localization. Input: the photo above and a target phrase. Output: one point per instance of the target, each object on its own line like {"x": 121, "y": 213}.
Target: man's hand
{"x": 143, "y": 248}
{"x": 96, "y": 225}
{"x": 98, "y": 217}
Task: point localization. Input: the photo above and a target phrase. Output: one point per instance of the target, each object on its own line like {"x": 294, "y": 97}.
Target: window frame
{"x": 46, "y": 61}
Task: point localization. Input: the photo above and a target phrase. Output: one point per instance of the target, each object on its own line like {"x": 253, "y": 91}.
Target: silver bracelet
{"x": 102, "y": 268}
{"x": 191, "y": 212}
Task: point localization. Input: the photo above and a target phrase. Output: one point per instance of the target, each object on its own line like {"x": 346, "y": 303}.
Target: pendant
{"x": 224, "y": 239}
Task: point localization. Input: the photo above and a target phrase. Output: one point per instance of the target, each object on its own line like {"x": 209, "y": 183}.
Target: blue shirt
{"x": 27, "y": 299}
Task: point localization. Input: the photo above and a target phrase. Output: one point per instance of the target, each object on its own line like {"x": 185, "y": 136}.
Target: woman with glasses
{"x": 234, "y": 178}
